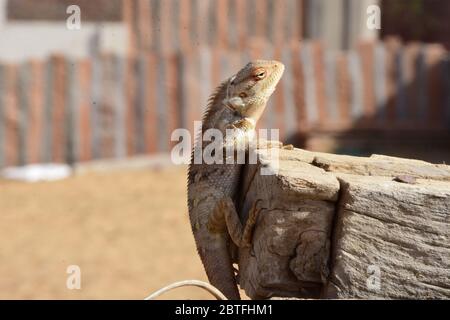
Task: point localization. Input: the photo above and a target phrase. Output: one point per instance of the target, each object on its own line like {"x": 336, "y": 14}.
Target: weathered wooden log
{"x": 333, "y": 226}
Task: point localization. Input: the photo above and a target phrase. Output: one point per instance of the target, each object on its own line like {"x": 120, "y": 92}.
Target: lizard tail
{"x": 213, "y": 243}
{"x": 219, "y": 267}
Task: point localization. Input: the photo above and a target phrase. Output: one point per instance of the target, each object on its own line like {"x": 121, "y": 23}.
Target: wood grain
{"x": 332, "y": 226}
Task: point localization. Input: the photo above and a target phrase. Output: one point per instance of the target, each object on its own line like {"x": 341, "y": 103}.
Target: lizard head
{"x": 249, "y": 90}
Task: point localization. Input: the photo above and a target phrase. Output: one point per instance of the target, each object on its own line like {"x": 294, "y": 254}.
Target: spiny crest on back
{"x": 215, "y": 101}
{"x": 213, "y": 106}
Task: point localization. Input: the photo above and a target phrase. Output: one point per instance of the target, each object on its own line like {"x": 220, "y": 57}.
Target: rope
{"x": 187, "y": 283}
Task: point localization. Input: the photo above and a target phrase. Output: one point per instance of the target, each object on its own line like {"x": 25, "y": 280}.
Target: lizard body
{"x": 212, "y": 188}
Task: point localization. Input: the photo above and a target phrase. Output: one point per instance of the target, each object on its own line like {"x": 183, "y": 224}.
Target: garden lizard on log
{"x": 236, "y": 104}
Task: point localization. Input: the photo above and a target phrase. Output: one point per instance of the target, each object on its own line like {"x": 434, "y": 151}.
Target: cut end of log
{"x": 335, "y": 226}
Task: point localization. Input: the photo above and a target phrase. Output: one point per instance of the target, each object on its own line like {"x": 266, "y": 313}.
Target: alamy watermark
{"x": 373, "y": 281}
{"x": 373, "y": 17}
{"x": 73, "y": 281}
{"x": 73, "y": 22}
{"x": 234, "y": 147}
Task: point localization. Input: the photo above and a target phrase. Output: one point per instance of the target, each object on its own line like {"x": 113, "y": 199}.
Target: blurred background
{"x": 104, "y": 99}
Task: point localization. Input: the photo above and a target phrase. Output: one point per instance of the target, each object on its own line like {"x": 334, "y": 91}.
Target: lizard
{"x": 236, "y": 104}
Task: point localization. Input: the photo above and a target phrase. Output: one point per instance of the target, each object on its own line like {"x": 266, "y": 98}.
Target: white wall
{"x": 2, "y": 12}
{"x": 340, "y": 24}
{"x": 20, "y": 41}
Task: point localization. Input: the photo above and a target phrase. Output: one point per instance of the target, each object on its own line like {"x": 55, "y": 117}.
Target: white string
{"x": 187, "y": 283}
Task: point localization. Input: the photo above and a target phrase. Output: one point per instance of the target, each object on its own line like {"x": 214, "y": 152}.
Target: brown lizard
{"x": 212, "y": 188}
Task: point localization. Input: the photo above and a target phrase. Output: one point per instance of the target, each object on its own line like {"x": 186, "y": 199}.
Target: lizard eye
{"x": 242, "y": 95}
{"x": 259, "y": 74}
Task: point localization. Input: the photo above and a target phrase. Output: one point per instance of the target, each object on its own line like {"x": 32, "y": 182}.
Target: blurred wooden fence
{"x": 174, "y": 25}
{"x": 112, "y": 107}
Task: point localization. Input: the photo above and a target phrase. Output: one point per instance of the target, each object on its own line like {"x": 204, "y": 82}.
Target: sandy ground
{"x": 128, "y": 232}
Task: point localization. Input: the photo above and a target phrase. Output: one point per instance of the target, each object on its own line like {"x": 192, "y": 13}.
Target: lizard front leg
{"x": 226, "y": 216}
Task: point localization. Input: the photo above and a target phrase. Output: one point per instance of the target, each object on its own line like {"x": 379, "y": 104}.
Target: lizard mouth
{"x": 278, "y": 71}
{"x": 273, "y": 79}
